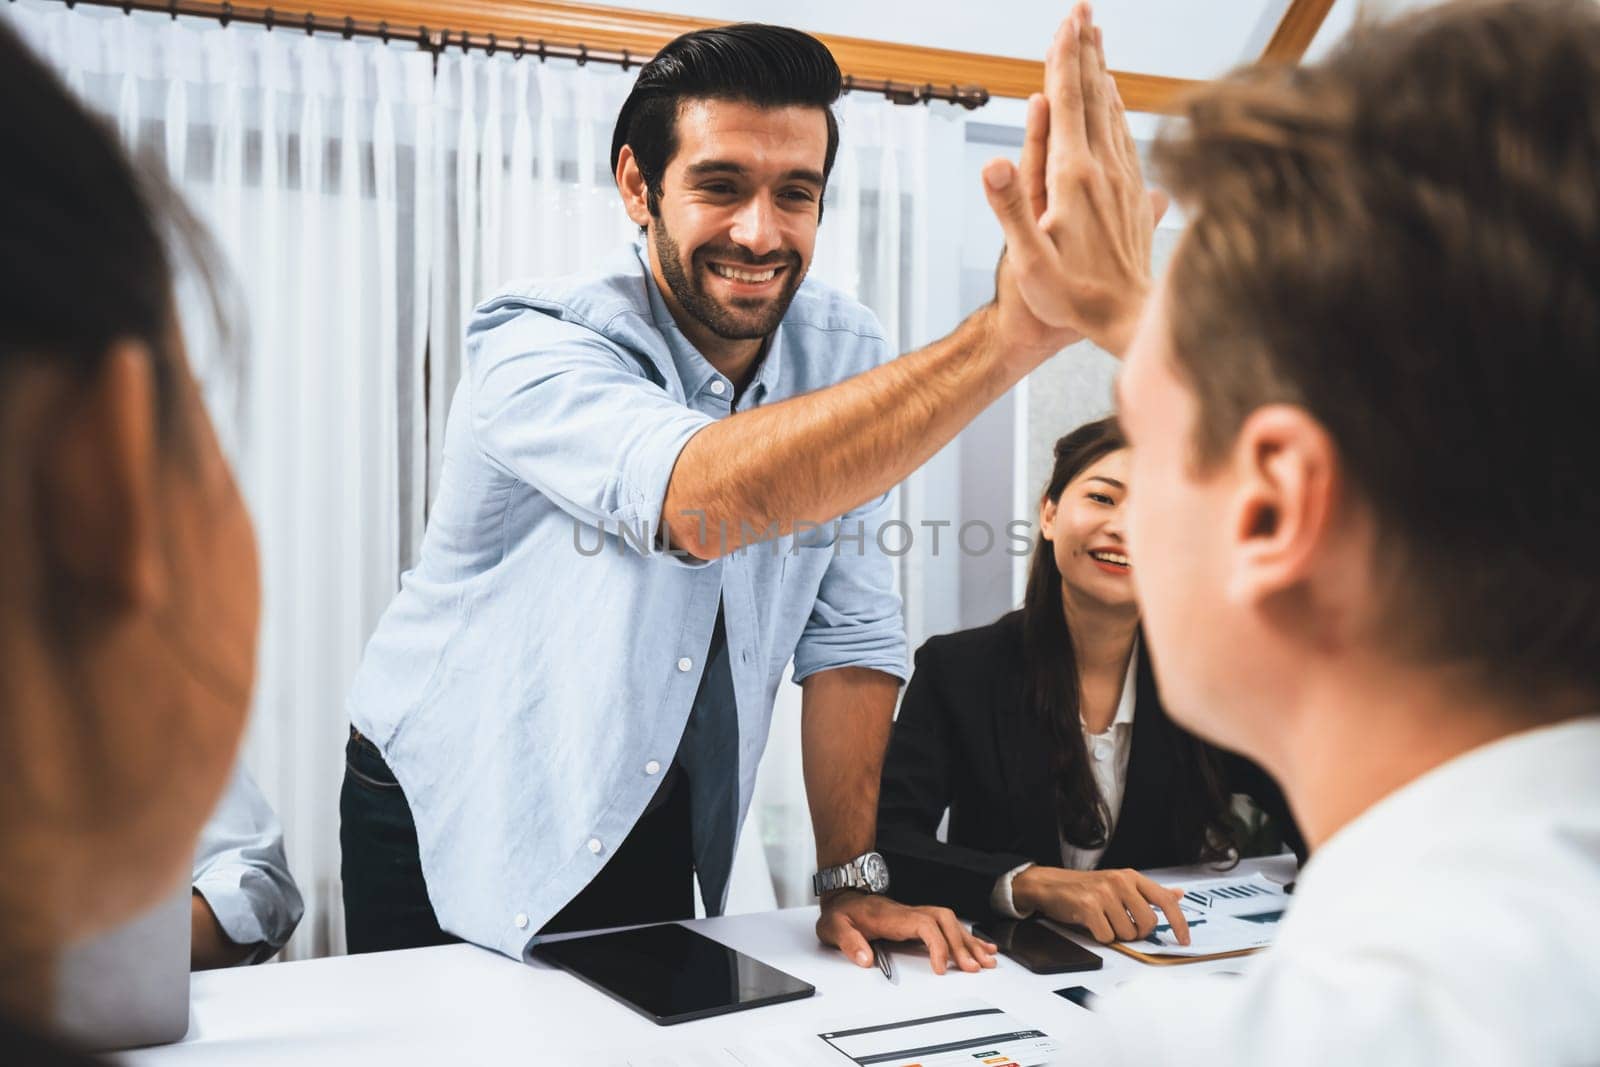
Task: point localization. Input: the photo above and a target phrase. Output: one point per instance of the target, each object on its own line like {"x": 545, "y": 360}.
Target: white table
{"x": 463, "y": 1004}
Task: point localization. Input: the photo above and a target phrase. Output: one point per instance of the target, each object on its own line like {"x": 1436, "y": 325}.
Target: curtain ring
{"x": 626, "y": 61}
{"x": 490, "y": 50}
{"x": 349, "y": 27}
{"x": 172, "y": 9}
{"x": 542, "y": 56}
{"x": 127, "y": 6}
{"x": 227, "y": 14}
{"x": 311, "y": 24}
{"x": 466, "y": 40}
{"x": 383, "y": 32}
{"x": 268, "y": 18}
{"x": 522, "y": 46}
{"x": 849, "y": 83}
{"x": 583, "y": 54}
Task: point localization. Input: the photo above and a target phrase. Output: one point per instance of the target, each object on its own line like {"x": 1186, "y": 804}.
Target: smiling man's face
{"x": 739, "y": 207}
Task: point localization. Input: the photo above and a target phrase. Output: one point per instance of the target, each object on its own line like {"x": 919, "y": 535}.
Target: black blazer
{"x": 964, "y": 741}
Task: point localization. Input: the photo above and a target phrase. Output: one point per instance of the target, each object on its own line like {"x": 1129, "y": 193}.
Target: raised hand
{"x": 1076, "y": 215}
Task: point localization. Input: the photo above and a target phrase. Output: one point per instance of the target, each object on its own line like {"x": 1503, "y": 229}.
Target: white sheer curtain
{"x": 365, "y": 202}
{"x": 301, "y": 154}
{"x": 522, "y": 152}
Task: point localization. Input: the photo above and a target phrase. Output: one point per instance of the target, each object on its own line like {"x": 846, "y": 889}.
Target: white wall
{"x": 1180, "y": 38}
{"x": 1176, "y": 38}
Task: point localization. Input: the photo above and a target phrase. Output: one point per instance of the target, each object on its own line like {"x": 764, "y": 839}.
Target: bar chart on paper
{"x": 1225, "y": 915}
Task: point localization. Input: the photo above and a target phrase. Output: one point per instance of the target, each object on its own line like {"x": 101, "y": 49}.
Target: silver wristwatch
{"x": 866, "y": 872}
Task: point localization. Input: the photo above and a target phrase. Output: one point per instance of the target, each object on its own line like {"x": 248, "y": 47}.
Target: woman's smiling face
{"x": 1084, "y": 528}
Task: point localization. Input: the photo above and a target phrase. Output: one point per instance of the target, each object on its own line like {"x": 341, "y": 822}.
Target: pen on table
{"x": 880, "y": 953}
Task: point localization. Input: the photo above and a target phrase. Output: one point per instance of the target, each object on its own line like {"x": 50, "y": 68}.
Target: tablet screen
{"x": 671, "y": 974}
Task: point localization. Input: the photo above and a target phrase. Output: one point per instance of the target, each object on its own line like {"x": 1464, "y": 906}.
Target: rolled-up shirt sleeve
{"x": 856, "y": 620}
{"x": 241, "y": 871}
{"x": 557, "y": 407}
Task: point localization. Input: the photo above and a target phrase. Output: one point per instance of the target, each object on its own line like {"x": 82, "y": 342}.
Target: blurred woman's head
{"x": 1081, "y": 552}
{"x": 128, "y": 585}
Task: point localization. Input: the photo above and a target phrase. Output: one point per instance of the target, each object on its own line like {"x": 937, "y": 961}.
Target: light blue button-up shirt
{"x": 532, "y": 680}
{"x": 241, "y": 870}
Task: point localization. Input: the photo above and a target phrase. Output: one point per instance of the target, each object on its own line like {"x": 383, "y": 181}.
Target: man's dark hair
{"x": 768, "y": 66}
{"x": 1404, "y": 241}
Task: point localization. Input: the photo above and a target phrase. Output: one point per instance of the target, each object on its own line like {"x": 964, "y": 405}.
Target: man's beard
{"x": 746, "y": 320}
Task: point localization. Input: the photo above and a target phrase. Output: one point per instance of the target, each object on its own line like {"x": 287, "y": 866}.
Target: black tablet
{"x": 670, "y": 974}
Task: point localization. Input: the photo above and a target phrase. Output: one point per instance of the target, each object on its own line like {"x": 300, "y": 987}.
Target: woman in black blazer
{"x": 1043, "y": 736}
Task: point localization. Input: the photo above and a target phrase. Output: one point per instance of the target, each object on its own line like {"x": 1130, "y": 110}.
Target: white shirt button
{"x": 595, "y": 846}
{"x": 652, "y": 767}
{"x": 1102, "y": 752}
{"x": 685, "y": 663}
{"x": 521, "y": 921}
{"x": 718, "y": 386}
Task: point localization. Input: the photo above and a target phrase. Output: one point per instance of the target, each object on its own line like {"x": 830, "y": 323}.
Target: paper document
{"x": 1225, "y": 915}
{"x": 961, "y": 1034}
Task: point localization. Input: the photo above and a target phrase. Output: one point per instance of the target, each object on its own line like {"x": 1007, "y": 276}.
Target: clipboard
{"x": 1162, "y": 960}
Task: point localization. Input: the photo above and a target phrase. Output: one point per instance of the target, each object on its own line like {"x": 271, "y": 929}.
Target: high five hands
{"x": 1076, "y": 214}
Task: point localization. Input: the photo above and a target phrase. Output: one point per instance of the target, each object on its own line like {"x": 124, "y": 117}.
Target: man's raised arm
{"x": 1078, "y": 225}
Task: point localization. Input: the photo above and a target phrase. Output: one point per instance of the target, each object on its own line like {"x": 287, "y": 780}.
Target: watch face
{"x": 876, "y": 872}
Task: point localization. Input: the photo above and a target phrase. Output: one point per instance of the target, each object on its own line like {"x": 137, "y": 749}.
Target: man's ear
{"x": 98, "y": 484}
{"x": 1287, "y": 470}
{"x": 631, "y": 184}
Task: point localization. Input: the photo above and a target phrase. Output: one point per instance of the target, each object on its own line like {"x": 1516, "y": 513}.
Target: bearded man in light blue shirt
{"x": 663, "y": 480}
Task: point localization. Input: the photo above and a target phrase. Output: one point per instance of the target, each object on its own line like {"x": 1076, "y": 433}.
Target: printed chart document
{"x": 959, "y": 1033}
{"x": 1227, "y": 917}
{"x": 962, "y": 1034}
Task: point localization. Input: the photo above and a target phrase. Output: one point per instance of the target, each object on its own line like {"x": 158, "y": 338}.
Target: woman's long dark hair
{"x": 1051, "y": 688}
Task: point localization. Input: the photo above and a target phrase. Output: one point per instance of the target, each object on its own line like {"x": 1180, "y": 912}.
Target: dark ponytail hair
{"x": 1201, "y": 830}
{"x": 85, "y": 258}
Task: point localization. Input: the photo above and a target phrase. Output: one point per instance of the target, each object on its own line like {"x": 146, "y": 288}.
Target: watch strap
{"x": 841, "y": 876}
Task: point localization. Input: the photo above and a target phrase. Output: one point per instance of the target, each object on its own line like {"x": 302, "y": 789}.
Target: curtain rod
{"x": 437, "y": 40}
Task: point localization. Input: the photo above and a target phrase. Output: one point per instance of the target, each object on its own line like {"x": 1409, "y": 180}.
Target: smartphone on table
{"x": 1037, "y": 947}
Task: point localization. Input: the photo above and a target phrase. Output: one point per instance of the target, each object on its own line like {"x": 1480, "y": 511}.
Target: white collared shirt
{"x": 1108, "y": 754}
{"x": 1451, "y": 923}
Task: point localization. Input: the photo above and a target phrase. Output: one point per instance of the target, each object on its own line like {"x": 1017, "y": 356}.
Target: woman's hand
{"x": 1111, "y": 905}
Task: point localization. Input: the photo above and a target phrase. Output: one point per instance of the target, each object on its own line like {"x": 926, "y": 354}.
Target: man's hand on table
{"x": 1076, "y": 215}
{"x": 850, "y": 920}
